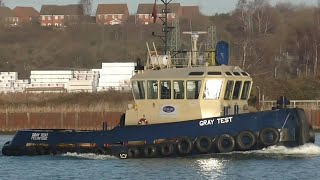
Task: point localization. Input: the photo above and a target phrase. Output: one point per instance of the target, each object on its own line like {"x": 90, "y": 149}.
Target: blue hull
{"x": 292, "y": 125}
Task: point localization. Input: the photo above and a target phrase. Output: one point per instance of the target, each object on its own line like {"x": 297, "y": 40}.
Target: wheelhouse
{"x": 180, "y": 94}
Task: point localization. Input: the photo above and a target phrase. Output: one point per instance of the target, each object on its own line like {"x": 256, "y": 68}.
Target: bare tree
{"x": 87, "y": 6}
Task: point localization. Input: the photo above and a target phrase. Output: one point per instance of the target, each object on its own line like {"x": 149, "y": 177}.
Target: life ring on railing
{"x": 143, "y": 121}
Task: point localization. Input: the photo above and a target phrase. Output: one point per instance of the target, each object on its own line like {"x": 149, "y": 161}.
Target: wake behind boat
{"x": 190, "y": 106}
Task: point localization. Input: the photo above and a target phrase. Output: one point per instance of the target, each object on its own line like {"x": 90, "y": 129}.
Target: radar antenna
{"x": 194, "y": 49}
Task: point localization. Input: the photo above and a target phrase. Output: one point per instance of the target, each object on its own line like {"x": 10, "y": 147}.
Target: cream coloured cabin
{"x": 181, "y": 94}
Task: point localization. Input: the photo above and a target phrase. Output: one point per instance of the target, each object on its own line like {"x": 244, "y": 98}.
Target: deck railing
{"x": 305, "y": 104}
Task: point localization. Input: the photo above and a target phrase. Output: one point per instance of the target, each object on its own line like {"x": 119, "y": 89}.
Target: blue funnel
{"x": 222, "y": 53}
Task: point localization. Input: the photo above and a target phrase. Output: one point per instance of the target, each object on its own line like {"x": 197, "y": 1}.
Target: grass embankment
{"x": 110, "y": 101}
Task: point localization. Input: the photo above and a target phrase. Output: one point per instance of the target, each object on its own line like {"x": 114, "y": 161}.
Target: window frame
{"x": 234, "y": 90}
{"x": 154, "y": 93}
{"x": 247, "y": 91}
{"x": 183, "y": 94}
{"x": 168, "y": 94}
{"x": 198, "y": 90}
{"x": 205, "y": 87}
{"x": 141, "y": 94}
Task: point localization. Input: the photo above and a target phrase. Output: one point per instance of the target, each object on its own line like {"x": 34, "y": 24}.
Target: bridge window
{"x": 212, "y": 89}
{"x": 178, "y": 89}
{"x": 244, "y": 74}
{"x": 236, "y": 73}
{"x": 214, "y": 73}
{"x": 152, "y": 90}
{"x": 165, "y": 89}
{"x": 138, "y": 89}
{"x": 236, "y": 90}
{"x": 229, "y": 88}
{"x": 193, "y": 89}
{"x": 196, "y": 73}
{"x": 245, "y": 90}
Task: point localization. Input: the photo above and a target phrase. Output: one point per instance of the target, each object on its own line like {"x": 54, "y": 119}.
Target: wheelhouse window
{"x": 245, "y": 90}
{"x": 178, "y": 89}
{"x": 236, "y": 90}
{"x": 229, "y": 88}
{"x": 138, "y": 88}
{"x": 152, "y": 90}
{"x": 165, "y": 89}
{"x": 212, "y": 89}
{"x": 193, "y": 89}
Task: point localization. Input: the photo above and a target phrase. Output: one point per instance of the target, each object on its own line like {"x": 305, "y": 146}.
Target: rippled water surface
{"x": 271, "y": 163}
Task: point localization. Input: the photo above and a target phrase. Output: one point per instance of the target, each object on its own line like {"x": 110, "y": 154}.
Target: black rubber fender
{"x": 133, "y": 152}
{"x": 312, "y": 136}
{"x": 150, "y": 151}
{"x": 203, "y": 144}
{"x": 5, "y": 150}
{"x": 184, "y": 145}
{"x": 99, "y": 151}
{"x": 225, "y": 143}
{"x": 241, "y": 142}
{"x": 166, "y": 148}
{"x": 303, "y": 127}
{"x": 266, "y": 133}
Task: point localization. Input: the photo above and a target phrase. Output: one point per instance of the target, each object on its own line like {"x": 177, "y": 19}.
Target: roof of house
{"x": 112, "y": 8}
{"x": 70, "y": 9}
{"x": 190, "y": 11}
{"x": 6, "y": 12}
{"x": 148, "y": 8}
{"x": 25, "y": 12}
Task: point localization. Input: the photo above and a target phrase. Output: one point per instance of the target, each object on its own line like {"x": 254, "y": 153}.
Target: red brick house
{"x": 26, "y": 14}
{"x": 190, "y": 11}
{"x": 145, "y": 10}
{"x": 7, "y": 17}
{"x": 61, "y": 15}
{"x": 112, "y": 14}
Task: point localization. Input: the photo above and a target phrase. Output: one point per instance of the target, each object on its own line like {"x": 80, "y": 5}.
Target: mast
{"x": 166, "y": 29}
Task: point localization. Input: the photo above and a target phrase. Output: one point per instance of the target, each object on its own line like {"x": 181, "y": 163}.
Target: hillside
{"x": 276, "y": 45}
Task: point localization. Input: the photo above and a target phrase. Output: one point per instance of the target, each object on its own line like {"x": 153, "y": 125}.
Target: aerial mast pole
{"x": 166, "y": 29}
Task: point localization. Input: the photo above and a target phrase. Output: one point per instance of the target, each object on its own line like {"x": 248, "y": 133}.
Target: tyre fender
{"x": 166, "y": 148}
{"x": 246, "y": 140}
{"x": 184, "y": 145}
{"x": 203, "y": 144}
{"x": 265, "y": 134}
{"x": 150, "y": 151}
{"x": 133, "y": 152}
{"x": 225, "y": 143}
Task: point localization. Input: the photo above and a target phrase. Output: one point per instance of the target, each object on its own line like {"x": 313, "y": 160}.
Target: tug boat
{"x": 198, "y": 105}
{"x": 179, "y": 110}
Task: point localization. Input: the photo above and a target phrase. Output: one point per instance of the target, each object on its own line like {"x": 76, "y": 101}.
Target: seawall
{"x": 11, "y": 122}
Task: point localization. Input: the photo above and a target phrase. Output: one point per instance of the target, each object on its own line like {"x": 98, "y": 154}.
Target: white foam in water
{"x": 89, "y": 156}
{"x": 304, "y": 150}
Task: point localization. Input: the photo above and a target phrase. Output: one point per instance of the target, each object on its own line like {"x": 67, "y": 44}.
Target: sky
{"x": 208, "y": 7}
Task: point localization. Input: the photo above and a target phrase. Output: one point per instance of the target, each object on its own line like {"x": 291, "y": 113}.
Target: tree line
{"x": 277, "y": 45}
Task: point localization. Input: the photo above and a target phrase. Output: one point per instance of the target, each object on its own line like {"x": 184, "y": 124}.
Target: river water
{"x": 271, "y": 163}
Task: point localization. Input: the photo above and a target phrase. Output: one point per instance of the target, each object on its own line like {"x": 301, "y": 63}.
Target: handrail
{"x": 310, "y": 104}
